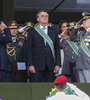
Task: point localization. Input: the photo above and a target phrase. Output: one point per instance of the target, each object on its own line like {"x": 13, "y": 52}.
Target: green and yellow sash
{"x": 83, "y": 46}
{"x": 73, "y": 46}
{"x": 47, "y": 39}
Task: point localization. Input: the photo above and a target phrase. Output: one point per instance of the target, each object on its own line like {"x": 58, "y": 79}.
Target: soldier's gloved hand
{"x": 79, "y": 23}
{"x": 2, "y": 26}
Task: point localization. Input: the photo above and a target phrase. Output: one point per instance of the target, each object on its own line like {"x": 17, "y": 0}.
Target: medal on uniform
{"x": 66, "y": 49}
{"x": 87, "y": 44}
{"x": 20, "y": 44}
{"x": 87, "y": 40}
{"x": 89, "y": 36}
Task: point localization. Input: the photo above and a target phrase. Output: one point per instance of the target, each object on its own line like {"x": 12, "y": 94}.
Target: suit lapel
{"x": 40, "y": 38}
{"x": 49, "y": 32}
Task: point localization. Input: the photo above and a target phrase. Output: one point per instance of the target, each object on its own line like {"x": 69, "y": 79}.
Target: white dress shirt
{"x": 46, "y": 29}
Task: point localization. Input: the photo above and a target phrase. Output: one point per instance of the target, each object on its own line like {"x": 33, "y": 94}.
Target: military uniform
{"x": 69, "y": 63}
{"x": 69, "y": 91}
{"x": 83, "y": 61}
{"x": 16, "y": 50}
{"x": 4, "y": 61}
{"x": 16, "y": 53}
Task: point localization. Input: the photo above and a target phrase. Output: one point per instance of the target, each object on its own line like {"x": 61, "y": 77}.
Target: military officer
{"x": 5, "y": 37}
{"x": 16, "y": 53}
{"x": 70, "y": 52}
{"x": 62, "y": 88}
{"x": 83, "y": 61}
{"x": 70, "y": 56}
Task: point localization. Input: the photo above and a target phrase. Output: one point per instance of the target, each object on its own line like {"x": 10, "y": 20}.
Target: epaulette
{"x": 22, "y": 37}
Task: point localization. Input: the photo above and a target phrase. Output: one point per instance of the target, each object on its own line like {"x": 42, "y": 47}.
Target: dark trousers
{"x": 13, "y": 71}
{"x": 17, "y": 75}
{"x": 73, "y": 71}
{"x": 42, "y": 76}
{"x": 21, "y": 75}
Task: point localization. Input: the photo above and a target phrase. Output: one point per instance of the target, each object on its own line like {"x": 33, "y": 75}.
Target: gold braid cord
{"x": 12, "y": 50}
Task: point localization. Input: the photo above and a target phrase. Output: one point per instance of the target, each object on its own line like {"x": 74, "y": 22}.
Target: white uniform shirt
{"x": 63, "y": 96}
{"x": 80, "y": 93}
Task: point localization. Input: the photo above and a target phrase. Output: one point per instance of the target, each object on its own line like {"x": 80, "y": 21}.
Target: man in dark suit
{"x": 43, "y": 62}
{"x": 5, "y": 37}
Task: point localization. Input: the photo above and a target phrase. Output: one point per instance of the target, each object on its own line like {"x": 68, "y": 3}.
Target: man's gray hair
{"x": 37, "y": 15}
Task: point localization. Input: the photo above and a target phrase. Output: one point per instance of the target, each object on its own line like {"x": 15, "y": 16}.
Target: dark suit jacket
{"x": 4, "y": 61}
{"x": 40, "y": 55}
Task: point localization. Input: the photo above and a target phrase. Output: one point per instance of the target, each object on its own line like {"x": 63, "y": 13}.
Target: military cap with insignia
{"x": 60, "y": 80}
{"x": 12, "y": 25}
{"x": 85, "y": 16}
{"x": 29, "y": 24}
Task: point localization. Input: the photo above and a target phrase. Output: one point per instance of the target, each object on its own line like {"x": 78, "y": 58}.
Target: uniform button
{"x": 79, "y": 55}
{"x": 73, "y": 52}
{"x": 66, "y": 49}
{"x": 72, "y": 57}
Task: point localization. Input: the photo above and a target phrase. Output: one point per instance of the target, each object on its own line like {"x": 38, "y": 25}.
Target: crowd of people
{"x": 40, "y": 52}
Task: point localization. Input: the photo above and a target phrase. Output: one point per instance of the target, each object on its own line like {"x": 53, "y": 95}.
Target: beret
{"x": 60, "y": 80}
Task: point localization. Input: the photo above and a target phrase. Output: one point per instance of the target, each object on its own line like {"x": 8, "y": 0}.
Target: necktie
{"x": 44, "y": 28}
{"x": 44, "y": 31}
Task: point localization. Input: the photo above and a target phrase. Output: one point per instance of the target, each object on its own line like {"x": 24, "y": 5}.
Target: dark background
{"x": 70, "y": 10}
{"x": 25, "y": 10}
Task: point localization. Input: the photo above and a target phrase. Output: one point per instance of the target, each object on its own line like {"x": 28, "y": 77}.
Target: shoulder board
{"x": 22, "y": 37}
